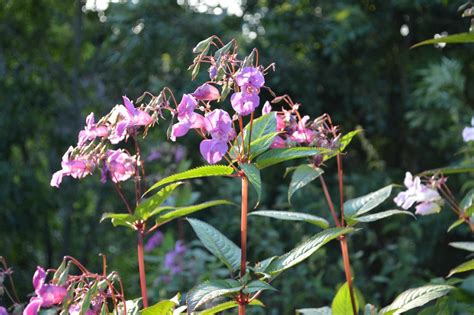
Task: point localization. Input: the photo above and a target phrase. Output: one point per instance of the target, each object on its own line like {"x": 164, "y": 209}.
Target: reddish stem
{"x": 243, "y": 238}
{"x": 329, "y": 201}
{"x": 141, "y": 268}
{"x": 347, "y": 269}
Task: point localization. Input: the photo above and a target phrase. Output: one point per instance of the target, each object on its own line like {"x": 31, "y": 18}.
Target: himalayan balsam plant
{"x": 241, "y": 135}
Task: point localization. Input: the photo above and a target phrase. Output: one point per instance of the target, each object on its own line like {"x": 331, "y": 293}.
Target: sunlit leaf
{"x": 183, "y": 211}
{"x": 455, "y": 224}
{"x": 326, "y": 310}
{"x": 228, "y": 305}
{"x": 293, "y": 216}
{"x": 164, "y": 307}
{"x": 381, "y": 215}
{"x": 257, "y": 285}
{"x": 467, "y": 266}
{"x": 469, "y": 246}
{"x": 147, "y": 206}
{"x": 275, "y": 156}
{"x": 120, "y": 219}
{"x": 360, "y": 205}
{"x": 341, "y": 304}
{"x": 210, "y": 290}
{"x": 460, "y": 38}
{"x": 202, "y": 45}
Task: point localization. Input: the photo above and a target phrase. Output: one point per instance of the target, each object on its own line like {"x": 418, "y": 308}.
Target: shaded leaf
{"x": 467, "y": 266}
{"x": 302, "y": 176}
{"x": 253, "y": 175}
{"x": 360, "y": 205}
{"x": 460, "y": 38}
{"x": 210, "y": 290}
{"x": 275, "y": 156}
{"x": 182, "y": 211}
{"x": 217, "y": 243}
{"x": 257, "y": 285}
{"x": 293, "y": 216}
{"x": 469, "y": 246}
{"x": 449, "y": 170}
{"x": 455, "y": 224}
{"x": 466, "y": 202}
{"x": 381, "y": 215}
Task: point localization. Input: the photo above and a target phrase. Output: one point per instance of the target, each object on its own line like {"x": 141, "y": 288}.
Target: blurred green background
{"x": 60, "y": 60}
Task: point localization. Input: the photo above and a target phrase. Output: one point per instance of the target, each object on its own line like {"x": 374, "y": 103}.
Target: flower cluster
{"x": 47, "y": 295}
{"x": 249, "y": 80}
{"x": 154, "y": 241}
{"x": 122, "y": 122}
{"x": 427, "y": 198}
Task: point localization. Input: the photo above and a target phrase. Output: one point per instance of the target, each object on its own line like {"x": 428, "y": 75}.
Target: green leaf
{"x": 262, "y": 144}
{"x": 226, "y": 306}
{"x": 164, "y": 307}
{"x": 458, "y": 169}
{"x": 203, "y": 45}
{"x": 416, "y": 297}
{"x": 347, "y": 139}
{"x": 182, "y": 211}
{"x": 360, "y": 205}
{"x": 195, "y": 71}
{"x": 381, "y": 215}
{"x": 86, "y": 301}
{"x": 341, "y": 304}
{"x": 303, "y": 175}
{"x": 210, "y": 290}
{"x": 293, "y": 216}
{"x": 203, "y": 171}
{"x": 120, "y": 219}
{"x": 304, "y": 250}
{"x": 218, "y": 54}
{"x": 253, "y": 175}
{"x": 217, "y": 243}
{"x": 257, "y": 285}
{"x": 467, "y": 266}
{"x": 147, "y": 206}
{"x": 455, "y": 224}
{"x": 460, "y": 38}
{"x": 275, "y": 156}
{"x": 469, "y": 246}
{"x": 326, "y": 310}
{"x": 467, "y": 201}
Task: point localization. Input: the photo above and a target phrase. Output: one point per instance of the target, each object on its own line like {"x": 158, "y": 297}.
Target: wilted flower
{"x": 91, "y": 131}
{"x": 119, "y": 164}
{"x": 468, "y": 132}
{"x": 154, "y": 241}
{"x": 206, "y": 92}
{"x": 428, "y": 198}
{"x": 219, "y": 126}
{"x": 77, "y": 167}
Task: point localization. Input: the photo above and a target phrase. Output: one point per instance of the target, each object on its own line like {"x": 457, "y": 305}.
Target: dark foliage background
{"x": 60, "y": 60}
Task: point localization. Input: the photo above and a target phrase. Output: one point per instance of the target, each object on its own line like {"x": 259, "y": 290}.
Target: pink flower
{"x": 244, "y": 103}
{"x": 213, "y": 150}
{"x": 468, "y": 132}
{"x": 302, "y": 134}
{"x": 250, "y": 76}
{"x": 267, "y": 108}
{"x": 187, "y": 118}
{"x": 206, "y": 92}
{"x": 278, "y": 142}
{"x": 78, "y": 167}
{"x": 91, "y": 131}
{"x": 219, "y": 126}
{"x": 119, "y": 164}
{"x": 3, "y": 311}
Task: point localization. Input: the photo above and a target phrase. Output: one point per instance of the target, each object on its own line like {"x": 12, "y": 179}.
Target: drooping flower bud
{"x": 206, "y": 92}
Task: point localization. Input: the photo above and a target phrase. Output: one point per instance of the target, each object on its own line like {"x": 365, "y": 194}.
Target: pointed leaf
{"x": 455, "y": 224}
{"x": 315, "y": 311}
{"x": 305, "y": 249}
{"x": 217, "y": 243}
{"x": 164, "y": 307}
{"x": 210, "y": 290}
{"x": 416, "y": 297}
{"x": 381, "y": 215}
{"x": 466, "y": 202}
{"x": 120, "y": 219}
{"x": 360, "y": 205}
{"x": 275, "y": 156}
{"x": 226, "y": 306}
{"x": 467, "y": 266}
{"x": 223, "y": 50}
{"x": 342, "y": 301}
{"x": 147, "y": 206}
{"x": 257, "y": 285}
{"x": 203, "y": 171}
{"x": 460, "y": 38}
{"x": 469, "y": 246}
{"x": 253, "y": 175}
{"x": 293, "y": 216}
{"x": 182, "y": 211}
{"x": 203, "y": 45}
{"x": 86, "y": 302}
{"x": 262, "y": 144}
{"x": 303, "y": 175}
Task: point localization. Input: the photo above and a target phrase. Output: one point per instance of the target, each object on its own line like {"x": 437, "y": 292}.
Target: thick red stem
{"x": 141, "y": 268}
{"x": 243, "y": 238}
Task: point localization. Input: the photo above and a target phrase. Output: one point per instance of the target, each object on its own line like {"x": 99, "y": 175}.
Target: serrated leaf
{"x": 202, "y": 45}
{"x": 257, "y": 285}
{"x": 210, "y": 290}
{"x": 164, "y": 307}
{"x": 381, "y": 215}
{"x": 228, "y": 305}
{"x": 360, "y": 205}
{"x": 416, "y": 297}
{"x": 293, "y": 216}
{"x": 147, "y": 207}
{"x": 253, "y": 175}
{"x": 467, "y": 266}
{"x": 182, "y": 211}
{"x": 469, "y": 246}
{"x": 302, "y": 176}
{"x": 217, "y": 243}
{"x": 461, "y": 38}
{"x": 198, "y": 172}
{"x": 341, "y": 304}
{"x": 120, "y": 219}
{"x": 275, "y": 156}
{"x": 326, "y": 310}
{"x": 455, "y": 224}
{"x": 304, "y": 250}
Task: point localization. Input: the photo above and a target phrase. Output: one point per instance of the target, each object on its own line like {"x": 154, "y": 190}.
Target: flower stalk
{"x": 141, "y": 268}
{"x": 243, "y": 239}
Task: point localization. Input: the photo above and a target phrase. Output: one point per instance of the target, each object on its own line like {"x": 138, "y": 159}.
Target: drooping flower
{"x": 154, "y": 241}
{"x": 250, "y": 76}
{"x": 206, "y": 92}
{"x": 119, "y": 165}
{"x": 3, "y": 311}
{"x": 46, "y": 294}
{"x": 77, "y": 167}
{"x": 187, "y": 118}
{"x": 244, "y": 103}
{"x": 428, "y": 199}
{"x": 219, "y": 125}
{"x": 468, "y": 132}
{"x": 301, "y": 134}
{"x": 91, "y": 131}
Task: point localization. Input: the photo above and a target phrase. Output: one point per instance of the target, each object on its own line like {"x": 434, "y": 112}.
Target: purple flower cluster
{"x": 249, "y": 80}
{"x": 46, "y": 294}
{"x": 427, "y": 198}
{"x": 219, "y": 126}
{"x": 3, "y": 311}
{"x": 82, "y": 160}
{"x": 154, "y": 241}
{"x": 174, "y": 259}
